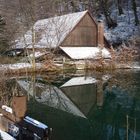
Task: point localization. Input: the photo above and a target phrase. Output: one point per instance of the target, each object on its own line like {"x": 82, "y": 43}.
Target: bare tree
{"x": 11, "y": 17}
{"x": 3, "y": 36}
{"x": 29, "y": 19}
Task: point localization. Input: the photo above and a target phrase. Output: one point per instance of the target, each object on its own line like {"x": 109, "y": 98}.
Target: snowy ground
{"x": 18, "y": 66}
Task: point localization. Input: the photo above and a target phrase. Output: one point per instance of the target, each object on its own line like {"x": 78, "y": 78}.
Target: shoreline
{"x": 41, "y": 68}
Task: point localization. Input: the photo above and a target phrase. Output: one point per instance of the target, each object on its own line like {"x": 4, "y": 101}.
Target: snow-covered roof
{"x": 50, "y": 32}
{"x": 79, "y": 81}
{"x": 86, "y": 52}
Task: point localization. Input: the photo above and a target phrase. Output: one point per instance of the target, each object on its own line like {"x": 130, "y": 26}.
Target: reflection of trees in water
{"x": 8, "y": 89}
{"x": 123, "y": 79}
{"x": 109, "y": 122}
{"x": 105, "y": 123}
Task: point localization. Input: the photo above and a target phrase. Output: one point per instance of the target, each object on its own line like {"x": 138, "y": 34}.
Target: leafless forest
{"x": 16, "y": 16}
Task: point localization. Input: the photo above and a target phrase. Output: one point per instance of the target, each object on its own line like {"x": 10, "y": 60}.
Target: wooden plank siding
{"x": 84, "y": 34}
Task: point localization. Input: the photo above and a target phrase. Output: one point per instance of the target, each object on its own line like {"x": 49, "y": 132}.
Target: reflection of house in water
{"x": 82, "y": 92}
{"x": 51, "y": 96}
{"x": 77, "y": 96}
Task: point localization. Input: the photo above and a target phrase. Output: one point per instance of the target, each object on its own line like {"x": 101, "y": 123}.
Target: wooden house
{"x": 78, "y": 35}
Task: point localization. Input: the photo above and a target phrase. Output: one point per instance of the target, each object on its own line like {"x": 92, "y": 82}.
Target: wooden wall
{"x": 84, "y": 34}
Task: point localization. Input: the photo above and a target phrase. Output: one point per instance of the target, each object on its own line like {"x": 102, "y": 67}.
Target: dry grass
{"x": 122, "y": 58}
{"x": 135, "y": 41}
{"x": 8, "y": 60}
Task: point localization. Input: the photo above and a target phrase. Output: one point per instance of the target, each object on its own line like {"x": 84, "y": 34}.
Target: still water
{"x": 86, "y": 106}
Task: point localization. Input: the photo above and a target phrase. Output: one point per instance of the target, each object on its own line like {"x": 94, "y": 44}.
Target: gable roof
{"x": 50, "y": 32}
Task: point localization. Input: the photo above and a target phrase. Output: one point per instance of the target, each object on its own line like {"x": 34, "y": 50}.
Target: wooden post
{"x": 64, "y": 60}
{"x": 33, "y": 49}
{"x": 100, "y": 96}
{"x": 127, "y": 127}
{"x": 135, "y": 129}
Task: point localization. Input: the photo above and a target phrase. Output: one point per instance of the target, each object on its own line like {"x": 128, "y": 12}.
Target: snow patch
{"x": 17, "y": 66}
{"x": 37, "y": 54}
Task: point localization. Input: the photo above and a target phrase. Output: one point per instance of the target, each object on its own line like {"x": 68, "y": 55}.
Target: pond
{"x": 85, "y": 105}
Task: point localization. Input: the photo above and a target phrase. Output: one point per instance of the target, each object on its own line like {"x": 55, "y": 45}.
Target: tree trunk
{"x": 110, "y": 22}
{"x": 120, "y": 7}
{"x": 73, "y": 6}
{"x": 33, "y": 49}
{"x": 134, "y": 6}
{"x": 3, "y": 35}
{"x": 30, "y": 17}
